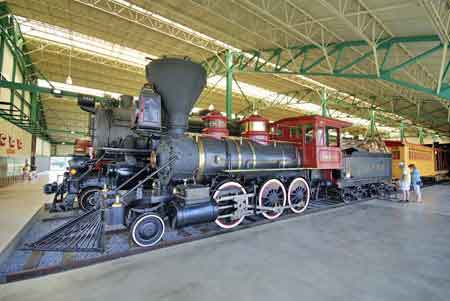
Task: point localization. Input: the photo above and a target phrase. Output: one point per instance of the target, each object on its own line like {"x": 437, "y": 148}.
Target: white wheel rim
{"x": 291, "y": 187}
{"x": 223, "y": 186}
{"x": 260, "y": 202}
{"x": 140, "y": 219}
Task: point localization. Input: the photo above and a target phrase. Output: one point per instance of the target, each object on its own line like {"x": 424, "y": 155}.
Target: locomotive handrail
{"x": 132, "y": 178}
{"x": 91, "y": 167}
{"x": 164, "y": 165}
{"x": 239, "y": 138}
{"x": 267, "y": 169}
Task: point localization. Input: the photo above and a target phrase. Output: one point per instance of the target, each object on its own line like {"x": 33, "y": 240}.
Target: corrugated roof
{"x": 245, "y": 25}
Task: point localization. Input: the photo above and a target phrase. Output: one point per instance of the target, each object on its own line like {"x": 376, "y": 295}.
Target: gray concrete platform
{"x": 371, "y": 251}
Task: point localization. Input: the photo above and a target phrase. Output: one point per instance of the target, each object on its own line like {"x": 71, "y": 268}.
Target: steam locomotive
{"x": 187, "y": 178}
{"x": 113, "y": 141}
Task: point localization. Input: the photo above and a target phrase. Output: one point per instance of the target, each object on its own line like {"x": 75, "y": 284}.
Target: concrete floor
{"x": 18, "y": 203}
{"x": 371, "y": 251}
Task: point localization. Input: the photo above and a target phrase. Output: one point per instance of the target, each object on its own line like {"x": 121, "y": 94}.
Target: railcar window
{"x": 299, "y": 131}
{"x": 332, "y": 136}
{"x": 320, "y": 138}
{"x": 279, "y": 132}
{"x": 309, "y": 134}
{"x": 292, "y": 132}
{"x": 396, "y": 155}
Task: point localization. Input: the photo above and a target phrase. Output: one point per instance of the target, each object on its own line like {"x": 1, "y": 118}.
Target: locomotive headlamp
{"x": 73, "y": 171}
{"x": 348, "y": 175}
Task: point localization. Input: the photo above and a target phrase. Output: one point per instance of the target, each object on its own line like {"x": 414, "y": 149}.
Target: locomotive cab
{"x": 317, "y": 137}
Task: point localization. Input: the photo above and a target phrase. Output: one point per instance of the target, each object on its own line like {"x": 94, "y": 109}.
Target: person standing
{"x": 405, "y": 182}
{"x": 416, "y": 182}
{"x": 26, "y": 171}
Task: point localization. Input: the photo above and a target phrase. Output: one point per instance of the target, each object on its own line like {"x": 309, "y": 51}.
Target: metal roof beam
{"x": 370, "y": 28}
{"x": 278, "y": 64}
{"x": 153, "y": 22}
{"x": 43, "y": 46}
{"x": 438, "y": 12}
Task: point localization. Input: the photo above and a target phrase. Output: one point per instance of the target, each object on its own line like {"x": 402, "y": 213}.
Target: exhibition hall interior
{"x": 208, "y": 150}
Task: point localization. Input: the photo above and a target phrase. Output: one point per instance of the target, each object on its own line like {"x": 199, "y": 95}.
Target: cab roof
{"x": 312, "y": 119}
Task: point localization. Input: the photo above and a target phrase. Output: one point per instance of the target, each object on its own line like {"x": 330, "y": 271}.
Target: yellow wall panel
{"x": 5, "y": 95}
{"x": 7, "y": 63}
{"x": 17, "y": 102}
{"x": 19, "y": 76}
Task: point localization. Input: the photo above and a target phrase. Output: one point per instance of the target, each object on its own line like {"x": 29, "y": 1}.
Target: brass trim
{"x": 153, "y": 160}
{"x": 201, "y": 158}
{"x": 238, "y": 150}
{"x": 269, "y": 169}
{"x": 253, "y": 152}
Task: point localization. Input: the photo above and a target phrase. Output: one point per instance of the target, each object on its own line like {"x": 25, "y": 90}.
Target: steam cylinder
{"x": 193, "y": 214}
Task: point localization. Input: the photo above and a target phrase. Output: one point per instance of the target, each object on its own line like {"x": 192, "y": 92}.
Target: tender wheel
{"x": 147, "y": 230}
{"x": 87, "y": 200}
{"x": 272, "y": 194}
{"x": 230, "y": 212}
{"x": 298, "y": 195}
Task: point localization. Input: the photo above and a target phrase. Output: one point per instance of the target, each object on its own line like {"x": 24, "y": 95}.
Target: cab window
{"x": 279, "y": 132}
{"x": 309, "y": 134}
{"x": 332, "y": 136}
{"x": 320, "y": 139}
{"x": 292, "y": 132}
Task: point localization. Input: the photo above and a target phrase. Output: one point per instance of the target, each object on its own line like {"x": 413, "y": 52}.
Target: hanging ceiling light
{"x": 69, "y": 80}
{"x": 69, "y": 77}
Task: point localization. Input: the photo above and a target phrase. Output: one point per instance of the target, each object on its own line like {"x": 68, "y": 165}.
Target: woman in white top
{"x": 405, "y": 182}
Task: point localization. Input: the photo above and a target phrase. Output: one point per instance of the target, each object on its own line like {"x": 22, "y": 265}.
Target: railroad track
{"x": 25, "y": 264}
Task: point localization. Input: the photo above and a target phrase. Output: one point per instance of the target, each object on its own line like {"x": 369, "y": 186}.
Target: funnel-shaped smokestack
{"x": 179, "y": 82}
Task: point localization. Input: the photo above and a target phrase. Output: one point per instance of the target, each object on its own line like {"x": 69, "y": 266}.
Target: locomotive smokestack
{"x": 179, "y": 82}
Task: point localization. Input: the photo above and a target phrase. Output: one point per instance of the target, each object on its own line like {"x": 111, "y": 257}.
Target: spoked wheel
{"x": 229, "y": 216}
{"x": 347, "y": 196}
{"x": 272, "y": 194}
{"x": 87, "y": 200}
{"x": 374, "y": 190}
{"x": 298, "y": 195}
{"x": 147, "y": 230}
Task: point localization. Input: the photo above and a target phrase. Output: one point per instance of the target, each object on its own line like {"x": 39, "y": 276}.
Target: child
{"x": 416, "y": 182}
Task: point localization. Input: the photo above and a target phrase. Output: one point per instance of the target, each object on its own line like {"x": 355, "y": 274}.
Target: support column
{"x": 229, "y": 88}
{"x": 402, "y": 131}
{"x": 448, "y": 117}
{"x": 324, "y": 103}
{"x": 421, "y": 135}
{"x": 13, "y": 91}
{"x": 34, "y": 110}
{"x": 2, "y": 51}
{"x": 372, "y": 127}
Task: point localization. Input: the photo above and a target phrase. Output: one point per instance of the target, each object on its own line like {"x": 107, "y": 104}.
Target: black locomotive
{"x": 192, "y": 178}
{"x": 160, "y": 175}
